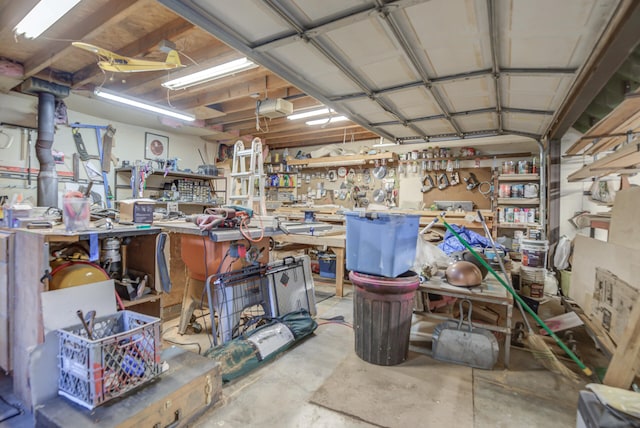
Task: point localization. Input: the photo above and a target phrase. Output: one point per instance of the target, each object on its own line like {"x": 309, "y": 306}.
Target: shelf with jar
{"x": 336, "y": 161}
{"x": 518, "y": 217}
{"x": 171, "y": 186}
{"x": 282, "y": 180}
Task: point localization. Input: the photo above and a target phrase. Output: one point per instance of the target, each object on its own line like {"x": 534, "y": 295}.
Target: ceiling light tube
{"x": 327, "y": 120}
{"x": 43, "y": 16}
{"x": 144, "y": 106}
{"x": 210, "y": 74}
{"x": 310, "y": 113}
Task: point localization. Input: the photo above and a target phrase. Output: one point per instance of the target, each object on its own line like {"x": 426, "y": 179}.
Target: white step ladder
{"x": 247, "y": 177}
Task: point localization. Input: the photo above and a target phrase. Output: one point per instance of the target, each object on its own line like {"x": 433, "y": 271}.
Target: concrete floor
{"x": 322, "y": 383}
{"x": 292, "y": 390}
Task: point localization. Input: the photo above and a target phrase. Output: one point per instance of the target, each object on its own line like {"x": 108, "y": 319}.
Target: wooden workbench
{"x": 337, "y": 217}
{"x": 490, "y": 291}
{"x": 31, "y": 264}
{"x": 336, "y": 243}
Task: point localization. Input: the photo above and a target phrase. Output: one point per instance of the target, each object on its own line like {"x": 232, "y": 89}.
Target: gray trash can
{"x": 382, "y": 310}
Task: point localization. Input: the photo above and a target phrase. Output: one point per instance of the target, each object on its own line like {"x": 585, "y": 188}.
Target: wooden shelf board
{"x": 344, "y": 160}
{"x": 518, "y": 201}
{"x": 148, "y": 298}
{"x": 626, "y": 156}
{"x": 623, "y": 118}
{"x": 481, "y": 157}
{"x": 517, "y": 225}
{"x": 519, "y": 177}
{"x": 178, "y": 174}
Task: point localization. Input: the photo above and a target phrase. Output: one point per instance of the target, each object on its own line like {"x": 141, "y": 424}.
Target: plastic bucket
{"x": 534, "y": 253}
{"x": 532, "y": 282}
{"x": 382, "y": 310}
{"x": 381, "y": 243}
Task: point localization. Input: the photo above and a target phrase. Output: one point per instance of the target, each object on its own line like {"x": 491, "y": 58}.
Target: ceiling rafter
{"x": 55, "y": 50}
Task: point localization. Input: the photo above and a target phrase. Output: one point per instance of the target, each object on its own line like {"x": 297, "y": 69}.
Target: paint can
{"x": 535, "y": 234}
{"x": 534, "y": 253}
{"x": 532, "y": 282}
{"x": 523, "y": 167}
{"x": 517, "y": 190}
{"x": 504, "y": 191}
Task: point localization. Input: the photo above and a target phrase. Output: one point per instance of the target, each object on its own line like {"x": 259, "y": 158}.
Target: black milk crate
{"x": 124, "y": 354}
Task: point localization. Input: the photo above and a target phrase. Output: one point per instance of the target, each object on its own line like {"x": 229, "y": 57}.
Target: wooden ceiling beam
{"x": 11, "y": 13}
{"x": 325, "y": 139}
{"x": 333, "y": 135}
{"x": 214, "y": 57}
{"x": 246, "y": 119}
{"x": 298, "y": 131}
{"x": 248, "y": 104}
{"x": 168, "y": 31}
{"x": 239, "y": 90}
{"x": 56, "y": 50}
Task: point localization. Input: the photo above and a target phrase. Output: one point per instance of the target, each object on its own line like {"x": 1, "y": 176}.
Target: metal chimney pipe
{"x": 47, "y": 177}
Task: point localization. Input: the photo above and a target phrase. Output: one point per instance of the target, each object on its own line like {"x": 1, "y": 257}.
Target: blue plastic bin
{"x": 381, "y": 244}
{"x": 327, "y": 265}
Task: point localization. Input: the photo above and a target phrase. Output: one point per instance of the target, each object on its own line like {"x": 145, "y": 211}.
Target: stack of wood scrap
{"x": 605, "y": 284}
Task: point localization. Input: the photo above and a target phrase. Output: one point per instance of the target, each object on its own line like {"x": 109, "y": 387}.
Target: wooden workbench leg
{"x": 507, "y": 336}
{"x": 188, "y": 305}
{"x": 339, "y": 270}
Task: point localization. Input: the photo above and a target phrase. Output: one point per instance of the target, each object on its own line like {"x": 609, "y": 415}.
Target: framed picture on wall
{"x": 156, "y": 147}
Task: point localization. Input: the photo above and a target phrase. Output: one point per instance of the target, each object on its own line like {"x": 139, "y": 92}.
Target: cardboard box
{"x": 137, "y": 210}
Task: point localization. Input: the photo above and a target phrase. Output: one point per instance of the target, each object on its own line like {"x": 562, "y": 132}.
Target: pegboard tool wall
{"x": 459, "y": 192}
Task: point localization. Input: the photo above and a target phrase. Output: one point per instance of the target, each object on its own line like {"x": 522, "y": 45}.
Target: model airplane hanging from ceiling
{"x": 111, "y": 61}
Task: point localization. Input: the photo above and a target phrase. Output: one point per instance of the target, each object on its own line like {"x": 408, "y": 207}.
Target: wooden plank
{"x": 590, "y": 253}
{"x": 610, "y": 123}
{"x": 340, "y": 266}
{"x": 600, "y": 167}
{"x": 337, "y": 241}
{"x": 623, "y": 227}
{"x": 178, "y": 272}
{"x": 190, "y": 386}
{"x": 29, "y": 266}
{"x": 309, "y": 163}
{"x": 6, "y": 299}
{"x": 626, "y": 359}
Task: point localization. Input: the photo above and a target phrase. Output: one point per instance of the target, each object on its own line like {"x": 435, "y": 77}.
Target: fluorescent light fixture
{"x": 327, "y": 120}
{"x": 144, "y": 106}
{"x": 310, "y": 113}
{"x": 43, "y": 16}
{"x": 210, "y": 74}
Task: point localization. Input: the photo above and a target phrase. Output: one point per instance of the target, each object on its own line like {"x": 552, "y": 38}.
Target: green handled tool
{"x": 586, "y": 370}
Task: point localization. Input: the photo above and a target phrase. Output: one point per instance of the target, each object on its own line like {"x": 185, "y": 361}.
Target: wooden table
{"x": 335, "y": 242}
{"x": 490, "y": 291}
